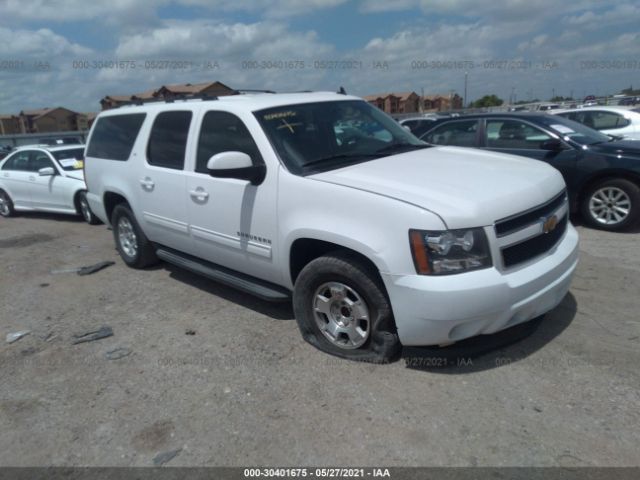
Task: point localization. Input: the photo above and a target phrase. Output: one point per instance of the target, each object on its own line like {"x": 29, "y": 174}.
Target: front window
{"x": 71, "y": 159}
{"x": 313, "y": 137}
{"x": 514, "y": 134}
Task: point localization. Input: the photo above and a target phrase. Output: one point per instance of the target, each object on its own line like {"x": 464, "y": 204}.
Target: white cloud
{"x": 40, "y": 44}
{"x": 620, "y": 14}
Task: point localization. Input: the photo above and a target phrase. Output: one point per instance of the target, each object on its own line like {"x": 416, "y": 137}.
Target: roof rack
{"x": 251, "y": 90}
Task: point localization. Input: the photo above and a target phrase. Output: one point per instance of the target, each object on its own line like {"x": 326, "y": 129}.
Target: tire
{"x": 6, "y": 205}
{"x": 341, "y": 308}
{"x": 612, "y": 204}
{"x": 85, "y": 210}
{"x": 133, "y": 246}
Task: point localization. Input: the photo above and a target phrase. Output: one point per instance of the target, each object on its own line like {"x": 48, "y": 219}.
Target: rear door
{"x": 162, "y": 183}
{"x": 15, "y": 178}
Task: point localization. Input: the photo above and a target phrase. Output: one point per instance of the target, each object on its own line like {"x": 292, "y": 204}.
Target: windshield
{"x": 579, "y": 133}
{"x": 313, "y": 137}
{"x": 71, "y": 159}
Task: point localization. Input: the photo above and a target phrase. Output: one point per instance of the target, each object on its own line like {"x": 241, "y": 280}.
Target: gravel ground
{"x": 213, "y": 377}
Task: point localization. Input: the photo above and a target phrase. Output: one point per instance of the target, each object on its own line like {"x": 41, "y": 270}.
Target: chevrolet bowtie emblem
{"x": 549, "y": 224}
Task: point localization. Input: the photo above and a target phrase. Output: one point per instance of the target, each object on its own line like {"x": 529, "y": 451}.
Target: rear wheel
{"x": 6, "y": 205}
{"x": 341, "y": 308}
{"x": 612, "y": 204}
{"x": 85, "y": 210}
{"x": 133, "y": 246}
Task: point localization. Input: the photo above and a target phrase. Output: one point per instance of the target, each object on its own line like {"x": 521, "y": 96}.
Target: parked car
{"x": 548, "y": 106}
{"x": 418, "y": 125}
{"x": 381, "y": 239}
{"x": 619, "y": 121}
{"x": 44, "y": 178}
{"x": 602, "y": 175}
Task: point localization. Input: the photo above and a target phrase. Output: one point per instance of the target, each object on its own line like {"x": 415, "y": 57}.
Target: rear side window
{"x": 168, "y": 139}
{"x": 224, "y": 132}
{"x": 459, "y": 133}
{"x": 113, "y": 137}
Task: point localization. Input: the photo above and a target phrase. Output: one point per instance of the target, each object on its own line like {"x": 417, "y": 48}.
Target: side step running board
{"x": 246, "y": 283}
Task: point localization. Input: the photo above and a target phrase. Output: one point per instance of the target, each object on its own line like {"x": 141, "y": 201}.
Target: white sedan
{"x": 618, "y": 121}
{"x": 44, "y": 178}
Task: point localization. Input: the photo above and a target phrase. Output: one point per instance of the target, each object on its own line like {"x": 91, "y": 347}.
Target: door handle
{"x": 199, "y": 194}
{"x": 147, "y": 184}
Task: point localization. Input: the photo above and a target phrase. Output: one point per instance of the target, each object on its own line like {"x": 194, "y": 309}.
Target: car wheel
{"x": 342, "y": 309}
{"x": 133, "y": 246}
{"x": 85, "y": 210}
{"x": 613, "y": 204}
{"x": 6, "y": 205}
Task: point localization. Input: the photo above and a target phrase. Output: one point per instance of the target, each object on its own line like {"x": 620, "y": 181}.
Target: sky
{"x": 74, "y": 52}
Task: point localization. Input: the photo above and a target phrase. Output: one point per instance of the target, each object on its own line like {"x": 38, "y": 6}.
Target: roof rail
{"x": 251, "y": 90}
{"x": 172, "y": 99}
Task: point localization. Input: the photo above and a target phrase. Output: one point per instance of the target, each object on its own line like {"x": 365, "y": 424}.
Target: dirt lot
{"x": 246, "y": 390}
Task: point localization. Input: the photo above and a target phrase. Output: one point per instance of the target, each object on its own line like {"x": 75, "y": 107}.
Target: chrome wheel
{"x": 5, "y": 209}
{"x": 342, "y": 315}
{"x": 84, "y": 209}
{"x": 127, "y": 237}
{"x": 609, "y": 205}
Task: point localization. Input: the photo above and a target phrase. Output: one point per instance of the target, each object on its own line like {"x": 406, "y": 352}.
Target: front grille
{"x": 535, "y": 246}
{"x": 512, "y": 224}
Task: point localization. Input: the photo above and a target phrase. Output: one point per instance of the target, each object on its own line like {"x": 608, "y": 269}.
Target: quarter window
{"x": 459, "y": 133}
{"x": 224, "y": 132}
{"x": 168, "y": 139}
{"x": 113, "y": 136}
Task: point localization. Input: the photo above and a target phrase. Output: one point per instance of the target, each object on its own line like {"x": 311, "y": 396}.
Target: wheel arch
{"x": 111, "y": 200}
{"x": 599, "y": 177}
{"x": 307, "y": 248}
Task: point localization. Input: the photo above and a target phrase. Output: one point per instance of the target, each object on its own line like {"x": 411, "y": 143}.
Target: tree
{"x": 487, "y": 101}
{"x": 560, "y": 98}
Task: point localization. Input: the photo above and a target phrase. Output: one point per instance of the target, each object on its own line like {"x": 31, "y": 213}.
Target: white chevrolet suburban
{"x": 381, "y": 240}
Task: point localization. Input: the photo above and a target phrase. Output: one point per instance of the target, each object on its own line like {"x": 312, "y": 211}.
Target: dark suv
{"x": 602, "y": 174}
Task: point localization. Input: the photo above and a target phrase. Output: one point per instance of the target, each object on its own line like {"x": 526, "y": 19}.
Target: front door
{"x": 518, "y": 137}
{"x": 232, "y": 222}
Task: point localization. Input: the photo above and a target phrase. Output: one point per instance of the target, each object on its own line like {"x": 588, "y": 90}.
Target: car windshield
{"x": 314, "y": 137}
{"x": 579, "y": 133}
{"x": 70, "y": 159}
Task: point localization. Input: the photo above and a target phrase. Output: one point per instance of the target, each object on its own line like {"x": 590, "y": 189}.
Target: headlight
{"x": 449, "y": 251}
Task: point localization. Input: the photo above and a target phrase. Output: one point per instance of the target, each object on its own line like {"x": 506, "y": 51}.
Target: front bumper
{"x": 437, "y": 310}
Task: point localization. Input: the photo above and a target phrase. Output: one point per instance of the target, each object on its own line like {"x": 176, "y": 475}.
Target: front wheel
{"x": 85, "y": 210}
{"x": 612, "y": 204}
{"x": 341, "y": 308}
{"x": 133, "y": 246}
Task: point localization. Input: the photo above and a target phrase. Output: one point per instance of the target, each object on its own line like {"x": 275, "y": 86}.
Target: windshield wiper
{"x": 396, "y": 147}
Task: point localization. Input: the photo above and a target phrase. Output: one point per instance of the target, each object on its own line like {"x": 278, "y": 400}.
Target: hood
{"x": 75, "y": 174}
{"x": 627, "y": 148}
{"x": 464, "y": 186}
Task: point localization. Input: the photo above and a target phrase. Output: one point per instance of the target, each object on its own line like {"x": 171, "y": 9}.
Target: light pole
{"x": 464, "y": 100}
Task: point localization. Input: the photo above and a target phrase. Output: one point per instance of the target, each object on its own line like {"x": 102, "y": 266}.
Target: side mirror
{"x": 552, "y": 144}
{"x": 236, "y": 165}
{"x": 46, "y": 172}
